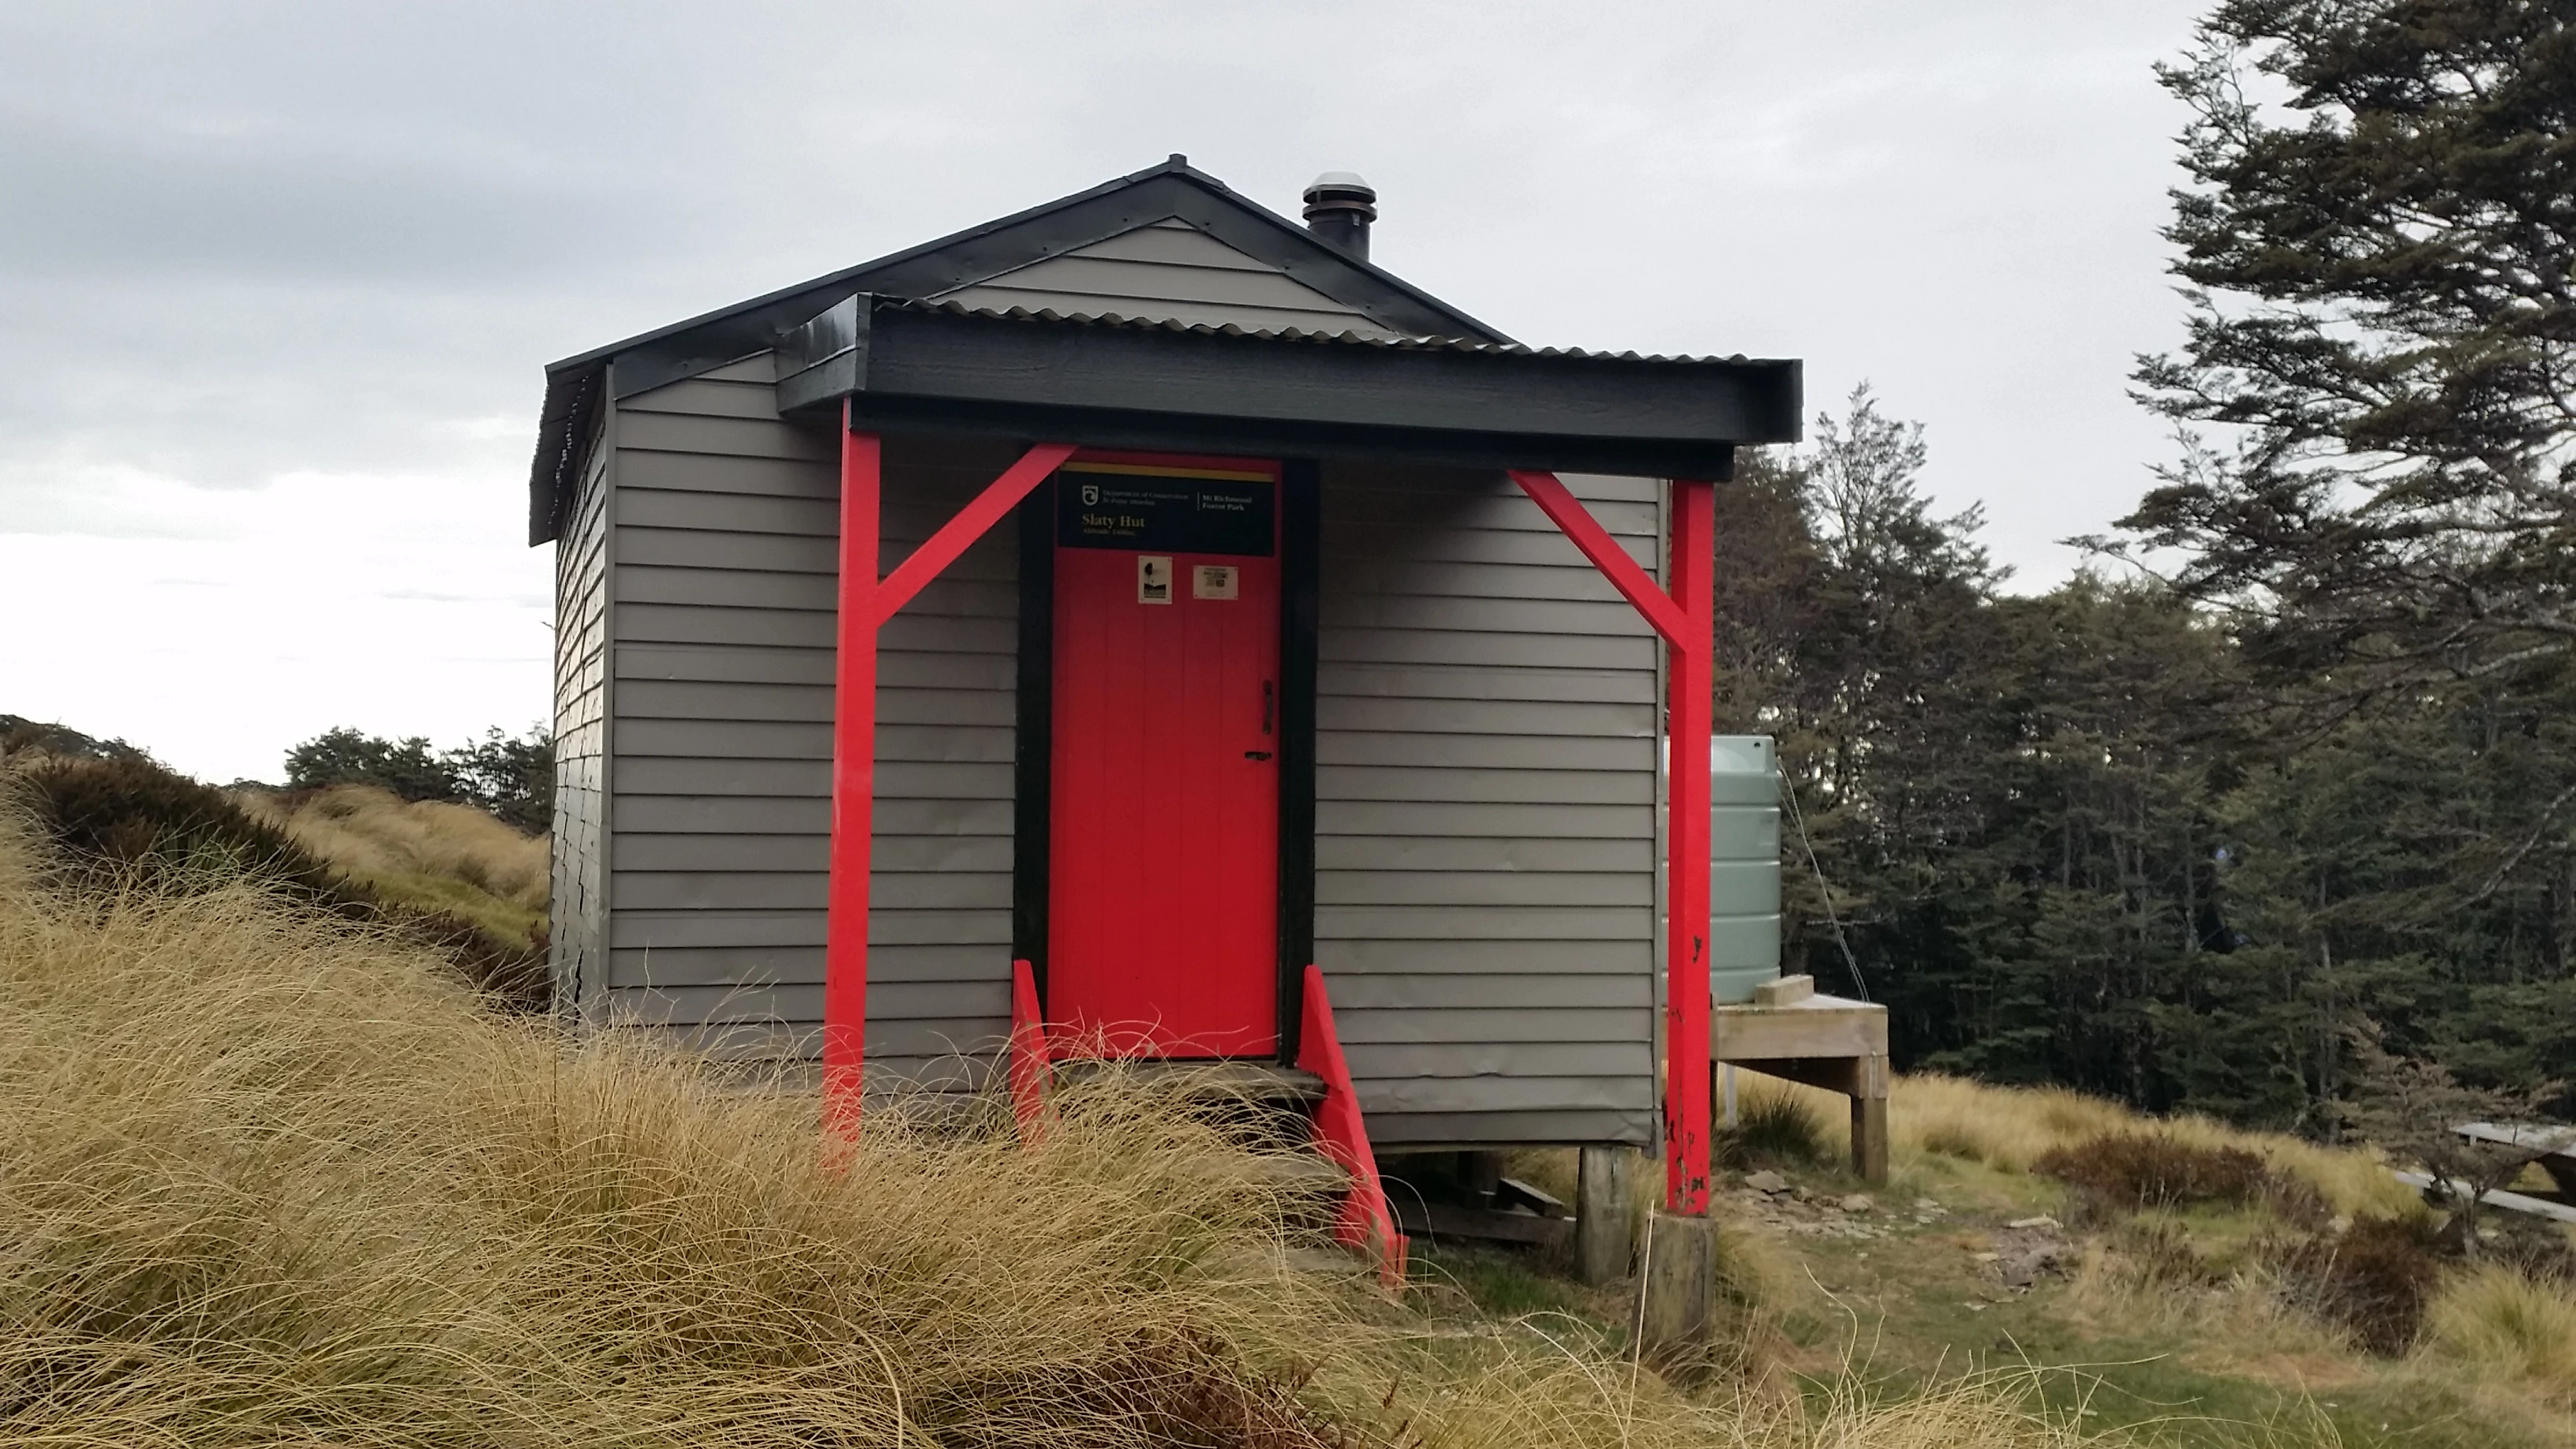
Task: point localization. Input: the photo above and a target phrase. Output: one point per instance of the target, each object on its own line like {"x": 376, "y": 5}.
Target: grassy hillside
{"x": 425, "y": 854}
{"x": 276, "y": 1174}
{"x": 448, "y": 877}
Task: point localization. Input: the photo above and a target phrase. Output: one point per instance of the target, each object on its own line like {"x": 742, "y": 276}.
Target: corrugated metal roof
{"x": 1290, "y": 334}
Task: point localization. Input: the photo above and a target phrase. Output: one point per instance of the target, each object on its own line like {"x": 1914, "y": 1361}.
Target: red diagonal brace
{"x": 1568, "y": 513}
{"x": 970, "y": 524}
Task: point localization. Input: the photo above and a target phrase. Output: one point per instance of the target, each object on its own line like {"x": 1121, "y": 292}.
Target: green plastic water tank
{"x": 1744, "y": 865}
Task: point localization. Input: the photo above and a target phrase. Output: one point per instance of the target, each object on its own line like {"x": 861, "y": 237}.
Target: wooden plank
{"x": 1579, "y": 965}
{"x": 1176, "y": 245}
{"x": 1518, "y": 787}
{"x": 1471, "y": 853}
{"x": 1820, "y": 1026}
{"x": 1412, "y": 750}
{"x": 1602, "y": 925}
{"x": 1449, "y": 1220}
{"x": 723, "y": 437}
{"x": 2552, "y": 1141}
{"x": 1347, "y": 641}
{"x": 1475, "y": 1026}
{"x": 1132, "y": 287}
{"x": 707, "y": 396}
{"x": 2511, "y": 1201}
{"x": 1484, "y": 888}
{"x": 1485, "y": 818}
{"x": 1786, "y": 991}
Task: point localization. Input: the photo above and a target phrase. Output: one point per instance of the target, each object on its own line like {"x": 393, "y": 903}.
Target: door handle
{"x": 1269, "y": 702}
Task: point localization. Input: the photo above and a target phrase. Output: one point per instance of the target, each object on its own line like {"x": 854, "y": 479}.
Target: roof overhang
{"x": 576, "y": 386}
{"x": 1110, "y": 383}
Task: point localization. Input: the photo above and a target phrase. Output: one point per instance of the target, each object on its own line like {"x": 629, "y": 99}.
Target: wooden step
{"x": 1303, "y": 1173}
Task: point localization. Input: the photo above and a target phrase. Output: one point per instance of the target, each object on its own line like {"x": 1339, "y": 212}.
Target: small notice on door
{"x": 1212, "y": 581}
{"x": 1153, "y": 578}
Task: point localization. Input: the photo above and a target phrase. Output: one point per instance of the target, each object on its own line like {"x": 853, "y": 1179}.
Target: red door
{"x": 1163, "y": 907}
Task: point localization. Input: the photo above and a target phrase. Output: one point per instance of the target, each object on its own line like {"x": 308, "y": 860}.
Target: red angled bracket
{"x": 1365, "y": 1222}
{"x": 1686, "y": 617}
{"x": 1029, "y": 1067}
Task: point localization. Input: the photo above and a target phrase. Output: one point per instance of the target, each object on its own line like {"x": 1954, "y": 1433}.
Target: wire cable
{"x": 1824, "y": 887}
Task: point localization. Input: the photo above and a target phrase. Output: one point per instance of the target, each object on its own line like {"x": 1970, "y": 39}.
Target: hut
{"x": 1143, "y": 626}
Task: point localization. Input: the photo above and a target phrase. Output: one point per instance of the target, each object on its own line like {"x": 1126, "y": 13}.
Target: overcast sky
{"x": 278, "y": 281}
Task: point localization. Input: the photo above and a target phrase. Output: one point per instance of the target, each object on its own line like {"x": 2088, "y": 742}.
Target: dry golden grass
{"x": 2010, "y": 1128}
{"x": 425, "y": 853}
{"x": 270, "y": 1181}
{"x": 2495, "y": 1321}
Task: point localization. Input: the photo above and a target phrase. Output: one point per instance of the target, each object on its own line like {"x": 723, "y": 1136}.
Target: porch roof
{"x": 1111, "y": 381}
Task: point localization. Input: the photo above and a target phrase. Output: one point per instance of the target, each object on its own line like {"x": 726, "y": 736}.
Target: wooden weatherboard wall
{"x": 1486, "y": 770}
{"x": 1169, "y": 271}
{"x": 725, "y": 538}
{"x": 579, "y": 910}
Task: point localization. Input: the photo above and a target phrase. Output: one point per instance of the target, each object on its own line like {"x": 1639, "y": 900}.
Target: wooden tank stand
{"x": 1791, "y": 1032}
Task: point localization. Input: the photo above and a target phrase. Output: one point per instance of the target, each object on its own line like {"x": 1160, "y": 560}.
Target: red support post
{"x": 854, "y": 754}
{"x": 1692, "y": 680}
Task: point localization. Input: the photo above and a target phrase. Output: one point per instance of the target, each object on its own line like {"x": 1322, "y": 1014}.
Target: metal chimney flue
{"x": 1339, "y": 208}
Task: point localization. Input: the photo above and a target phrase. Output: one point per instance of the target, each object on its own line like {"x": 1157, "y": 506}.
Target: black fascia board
{"x": 1257, "y": 438}
{"x": 1173, "y": 188}
{"x": 909, "y": 368}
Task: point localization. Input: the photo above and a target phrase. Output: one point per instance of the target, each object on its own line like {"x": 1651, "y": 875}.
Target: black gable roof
{"x": 576, "y": 385}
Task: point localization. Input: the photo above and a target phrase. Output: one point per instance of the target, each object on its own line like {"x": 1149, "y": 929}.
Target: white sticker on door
{"x": 1212, "y": 581}
{"x": 1153, "y": 578}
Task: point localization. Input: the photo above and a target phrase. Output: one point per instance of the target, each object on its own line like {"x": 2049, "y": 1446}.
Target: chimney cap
{"x": 1340, "y": 186}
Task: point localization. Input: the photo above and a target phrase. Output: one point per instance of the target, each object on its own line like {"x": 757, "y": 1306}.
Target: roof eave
{"x": 1109, "y": 384}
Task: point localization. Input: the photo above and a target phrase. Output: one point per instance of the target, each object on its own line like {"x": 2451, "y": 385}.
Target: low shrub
{"x": 2373, "y": 1279}
{"x": 2161, "y": 1255}
{"x": 2131, "y": 1170}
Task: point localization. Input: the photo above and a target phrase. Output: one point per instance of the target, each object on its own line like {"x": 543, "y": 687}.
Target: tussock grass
{"x": 1774, "y": 1123}
{"x": 272, "y": 1177}
{"x": 2499, "y": 1321}
{"x": 426, "y": 853}
{"x": 2012, "y": 1128}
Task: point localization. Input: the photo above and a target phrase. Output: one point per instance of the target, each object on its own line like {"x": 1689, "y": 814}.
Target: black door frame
{"x": 1033, "y": 749}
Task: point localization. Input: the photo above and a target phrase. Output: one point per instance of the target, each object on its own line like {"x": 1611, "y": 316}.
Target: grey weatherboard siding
{"x": 579, "y": 910}
{"x": 1169, "y": 271}
{"x": 1485, "y": 821}
{"x": 726, "y": 574}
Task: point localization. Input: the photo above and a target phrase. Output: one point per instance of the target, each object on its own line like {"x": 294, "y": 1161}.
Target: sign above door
{"x": 1166, "y": 509}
